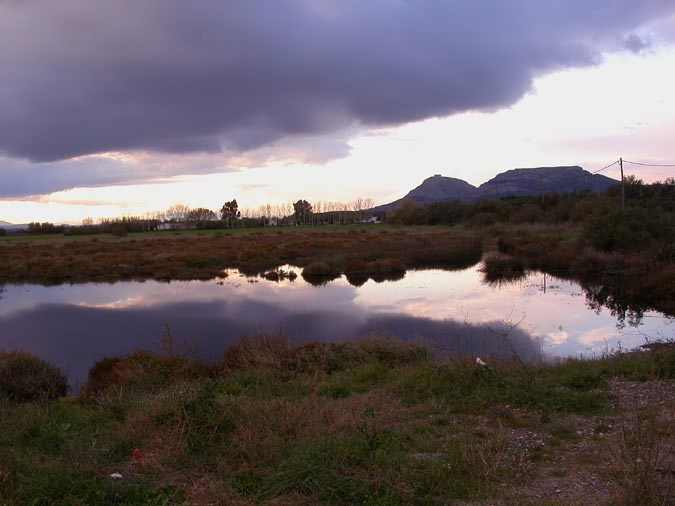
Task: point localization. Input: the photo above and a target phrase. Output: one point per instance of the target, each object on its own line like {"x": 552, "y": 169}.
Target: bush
{"x": 142, "y": 370}
{"x": 25, "y": 378}
{"x": 3, "y": 232}
{"x": 319, "y": 269}
{"x": 502, "y": 268}
{"x": 636, "y": 229}
{"x": 319, "y": 273}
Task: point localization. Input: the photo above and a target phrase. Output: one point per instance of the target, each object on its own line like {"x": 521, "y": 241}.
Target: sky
{"x": 127, "y": 107}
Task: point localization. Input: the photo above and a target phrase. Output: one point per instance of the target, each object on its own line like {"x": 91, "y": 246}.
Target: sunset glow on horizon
{"x": 582, "y": 109}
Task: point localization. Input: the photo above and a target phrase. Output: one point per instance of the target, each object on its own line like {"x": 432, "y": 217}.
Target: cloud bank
{"x": 82, "y": 77}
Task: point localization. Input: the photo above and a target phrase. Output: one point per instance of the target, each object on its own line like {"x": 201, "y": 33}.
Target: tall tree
{"x": 302, "y": 211}
{"x": 229, "y": 213}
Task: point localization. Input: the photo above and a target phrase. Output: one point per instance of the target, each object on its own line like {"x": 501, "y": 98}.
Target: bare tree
{"x": 177, "y": 212}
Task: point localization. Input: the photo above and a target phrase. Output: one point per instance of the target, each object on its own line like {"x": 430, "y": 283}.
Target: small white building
{"x": 170, "y": 225}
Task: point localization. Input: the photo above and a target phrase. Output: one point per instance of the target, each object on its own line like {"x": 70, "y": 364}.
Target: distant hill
{"x": 541, "y": 180}
{"x": 12, "y": 227}
{"x": 435, "y": 189}
{"x": 512, "y": 183}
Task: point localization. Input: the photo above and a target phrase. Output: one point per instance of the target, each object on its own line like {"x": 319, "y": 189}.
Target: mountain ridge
{"x": 517, "y": 182}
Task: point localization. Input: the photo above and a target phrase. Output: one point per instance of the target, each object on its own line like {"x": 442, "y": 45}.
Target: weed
{"x": 643, "y": 460}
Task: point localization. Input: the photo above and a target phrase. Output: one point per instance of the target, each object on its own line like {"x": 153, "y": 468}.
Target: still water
{"x": 73, "y": 326}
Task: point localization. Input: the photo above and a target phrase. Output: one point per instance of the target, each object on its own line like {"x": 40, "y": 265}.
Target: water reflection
{"x": 602, "y": 290}
{"x": 455, "y": 312}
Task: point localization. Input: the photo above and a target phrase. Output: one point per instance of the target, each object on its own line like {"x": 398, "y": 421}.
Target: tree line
{"x": 178, "y": 216}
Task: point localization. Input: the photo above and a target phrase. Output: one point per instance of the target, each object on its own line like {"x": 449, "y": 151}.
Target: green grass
{"x": 301, "y": 229}
{"x": 357, "y": 380}
{"x": 372, "y": 423}
{"x": 44, "y": 486}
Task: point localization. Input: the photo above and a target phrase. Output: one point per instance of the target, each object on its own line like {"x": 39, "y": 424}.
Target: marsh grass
{"x": 627, "y": 282}
{"x": 375, "y": 422}
{"x": 324, "y": 252}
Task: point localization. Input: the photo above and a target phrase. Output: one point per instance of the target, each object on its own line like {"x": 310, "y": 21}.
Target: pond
{"x": 454, "y": 312}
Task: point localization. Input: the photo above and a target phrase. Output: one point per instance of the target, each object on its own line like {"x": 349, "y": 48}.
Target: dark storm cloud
{"x": 21, "y": 178}
{"x": 89, "y": 76}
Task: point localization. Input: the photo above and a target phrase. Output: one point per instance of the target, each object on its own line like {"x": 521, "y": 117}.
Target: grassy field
{"x": 625, "y": 282}
{"x": 327, "y": 252}
{"x": 371, "y": 423}
{"x": 301, "y": 229}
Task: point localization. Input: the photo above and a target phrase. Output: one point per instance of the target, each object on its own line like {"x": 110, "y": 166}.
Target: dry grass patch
{"x": 323, "y": 253}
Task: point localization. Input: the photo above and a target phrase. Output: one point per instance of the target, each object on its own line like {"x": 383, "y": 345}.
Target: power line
{"x": 606, "y": 167}
{"x": 652, "y": 164}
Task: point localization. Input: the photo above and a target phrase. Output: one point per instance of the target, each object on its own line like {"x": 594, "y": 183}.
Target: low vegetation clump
{"x": 142, "y": 369}
{"x": 25, "y": 378}
{"x": 320, "y": 272}
{"x": 280, "y": 275}
{"x": 376, "y": 422}
{"x": 498, "y": 267}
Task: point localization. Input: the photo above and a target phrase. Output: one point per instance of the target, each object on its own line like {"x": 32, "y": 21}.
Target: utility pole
{"x": 623, "y": 187}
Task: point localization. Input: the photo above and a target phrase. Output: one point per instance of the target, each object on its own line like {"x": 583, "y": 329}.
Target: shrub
{"x": 318, "y": 273}
{"x": 631, "y": 230}
{"x": 319, "y": 269}
{"x": 500, "y": 267}
{"x": 143, "y": 370}
{"x": 25, "y": 378}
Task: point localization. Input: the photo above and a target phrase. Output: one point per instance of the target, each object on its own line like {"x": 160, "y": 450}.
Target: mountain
{"x": 541, "y": 180}
{"x": 512, "y": 183}
{"x": 12, "y": 227}
{"x": 435, "y": 189}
